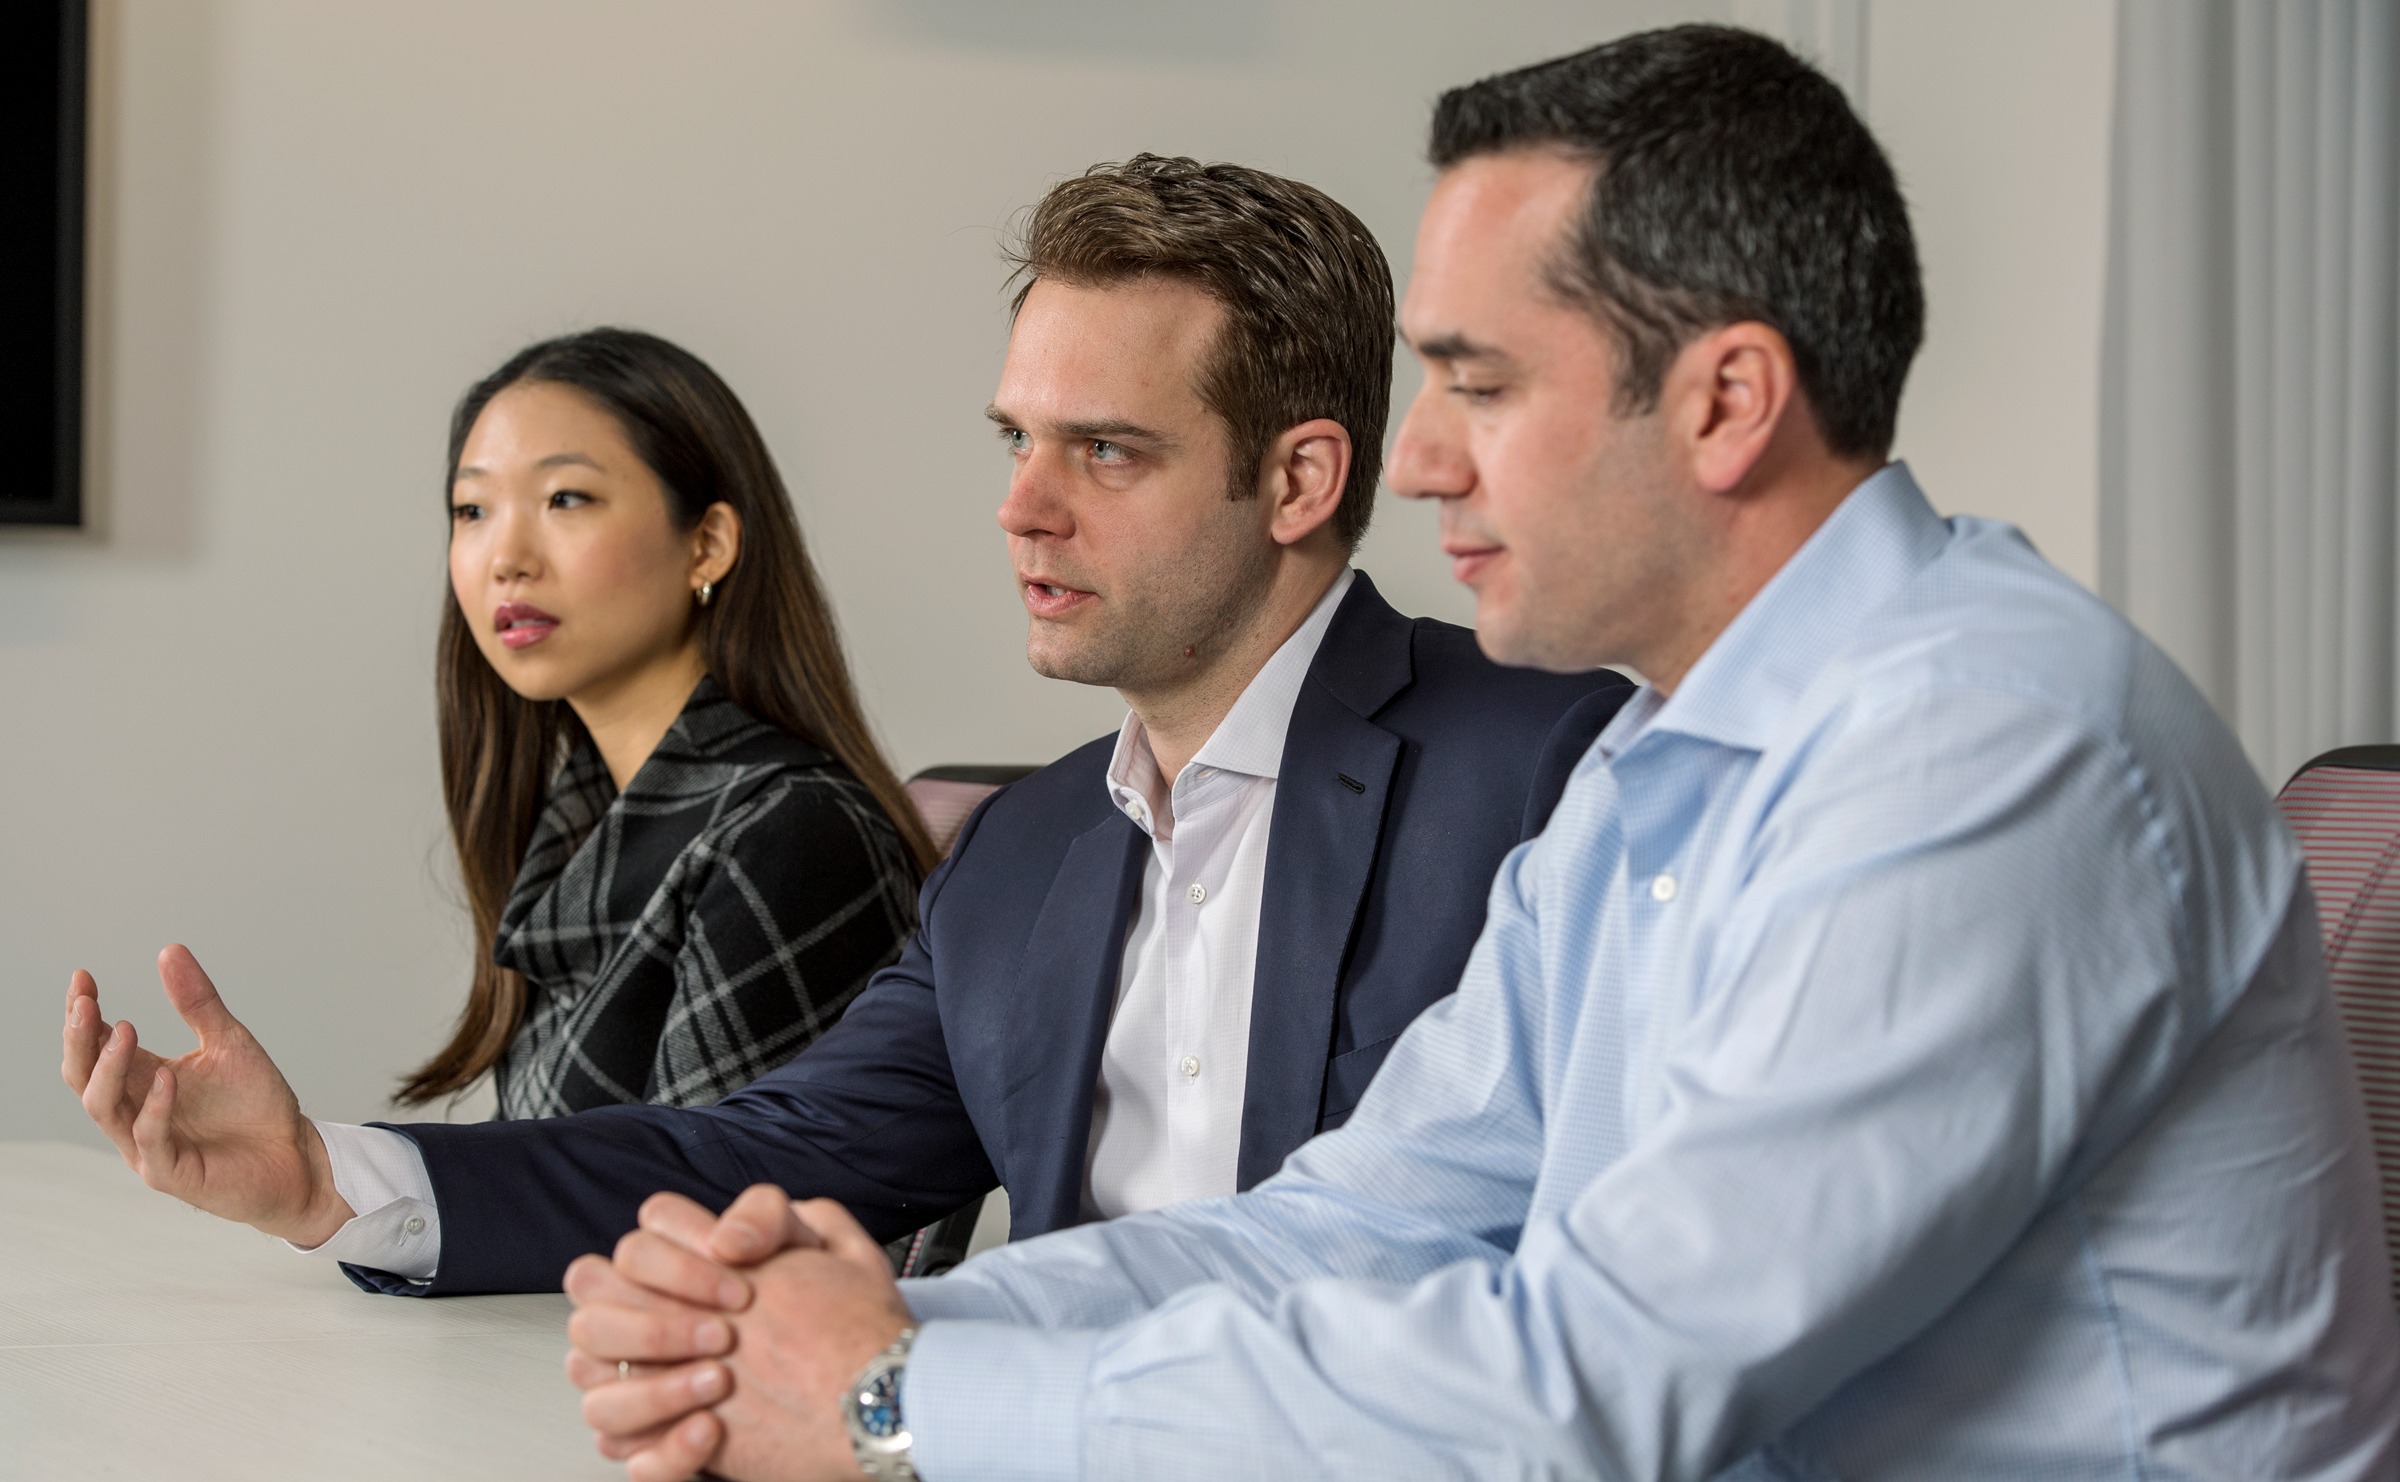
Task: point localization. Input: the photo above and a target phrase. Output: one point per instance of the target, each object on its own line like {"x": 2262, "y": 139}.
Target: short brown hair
{"x": 1306, "y": 290}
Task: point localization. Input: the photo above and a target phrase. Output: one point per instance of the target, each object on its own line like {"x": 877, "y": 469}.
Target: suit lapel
{"x": 1334, "y": 780}
{"x": 1066, "y": 993}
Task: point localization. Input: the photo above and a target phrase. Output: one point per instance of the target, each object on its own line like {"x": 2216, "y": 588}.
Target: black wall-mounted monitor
{"x": 42, "y": 62}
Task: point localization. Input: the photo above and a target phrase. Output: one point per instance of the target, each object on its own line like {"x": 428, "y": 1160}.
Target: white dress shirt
{"x": 398, "y": 1227}
{"x": 1167, "y": 1115}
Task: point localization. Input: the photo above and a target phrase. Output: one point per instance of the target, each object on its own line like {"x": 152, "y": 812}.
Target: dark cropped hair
{"x": 1734, "y": 183}
{"x": 1306, "y": 290}
{"x": 768, "y": 640}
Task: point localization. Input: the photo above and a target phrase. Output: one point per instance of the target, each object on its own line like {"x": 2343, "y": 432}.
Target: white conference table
{"x": 141, "y": 1339}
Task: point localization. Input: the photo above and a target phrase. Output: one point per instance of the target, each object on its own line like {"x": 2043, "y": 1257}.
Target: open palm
{"x": 219, "y": 1128}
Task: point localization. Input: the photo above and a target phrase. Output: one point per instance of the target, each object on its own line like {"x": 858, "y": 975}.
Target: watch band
{"x": 879, "y": 1438}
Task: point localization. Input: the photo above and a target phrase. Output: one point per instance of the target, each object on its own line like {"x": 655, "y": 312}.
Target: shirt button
{"x": 415, "y": 1224}
{"x": 1663, "y": 888}
{"x": 1198, "y": 893}
{"x": 1190, "y": 1064}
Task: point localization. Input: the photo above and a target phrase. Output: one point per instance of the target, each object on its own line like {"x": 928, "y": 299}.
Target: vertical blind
{"x": 2248, "y": 421}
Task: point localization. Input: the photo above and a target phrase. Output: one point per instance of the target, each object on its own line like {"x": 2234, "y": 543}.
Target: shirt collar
{"x": 1878, "y": 537}
{"x": 1249, "y": 740}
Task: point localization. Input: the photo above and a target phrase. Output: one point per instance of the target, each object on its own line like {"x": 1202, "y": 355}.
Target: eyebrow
{"x": 1104, "y": 429}
{"x": 555, "y": 460}
{"x": 1458, "y": 347}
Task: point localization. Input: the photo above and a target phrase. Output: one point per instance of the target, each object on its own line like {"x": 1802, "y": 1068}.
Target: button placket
{"x": 1185, "y": 967}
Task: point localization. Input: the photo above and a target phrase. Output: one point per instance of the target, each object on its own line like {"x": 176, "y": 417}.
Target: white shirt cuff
{"x": 380, "y": 1174}
{"x": 996, "y": 1402}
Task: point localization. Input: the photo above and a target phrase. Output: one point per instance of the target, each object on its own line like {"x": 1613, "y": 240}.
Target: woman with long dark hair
{"x": 682, "y": 850}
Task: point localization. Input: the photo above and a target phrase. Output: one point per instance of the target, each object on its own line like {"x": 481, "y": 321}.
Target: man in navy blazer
{"x": 1193, "y": 400}
{"x": 1411, "y": 766}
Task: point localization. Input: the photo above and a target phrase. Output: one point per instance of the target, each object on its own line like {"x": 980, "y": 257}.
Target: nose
{"x": 1036, "y": 503}
{"x": 1429, "y": 456}
{"x": 513, "y": 551}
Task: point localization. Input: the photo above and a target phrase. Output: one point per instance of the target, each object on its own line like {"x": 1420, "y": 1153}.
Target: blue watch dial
{"x": 879, "y": 1405}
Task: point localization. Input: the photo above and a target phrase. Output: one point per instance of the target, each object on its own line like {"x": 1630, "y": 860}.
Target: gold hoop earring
{"x": 708, "y": 589}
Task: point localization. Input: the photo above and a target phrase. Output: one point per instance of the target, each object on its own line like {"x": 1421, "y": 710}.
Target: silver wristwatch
{"x": 871, "y": 1414}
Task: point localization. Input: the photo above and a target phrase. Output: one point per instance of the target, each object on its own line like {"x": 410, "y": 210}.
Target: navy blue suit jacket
{"x": 1413, "y": 764}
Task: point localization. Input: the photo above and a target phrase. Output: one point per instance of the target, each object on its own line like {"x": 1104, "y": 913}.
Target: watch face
{"x": 879, "y": 1405}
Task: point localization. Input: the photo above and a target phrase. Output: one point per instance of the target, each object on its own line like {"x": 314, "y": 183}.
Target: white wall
{"x": 315, "y": 224}
{"x": 1996, "y": 117}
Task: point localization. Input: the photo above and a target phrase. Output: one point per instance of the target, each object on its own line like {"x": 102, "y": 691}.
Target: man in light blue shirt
{"x": 1906, "y": 1054}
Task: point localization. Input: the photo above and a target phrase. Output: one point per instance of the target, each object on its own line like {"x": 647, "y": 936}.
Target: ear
{"x": 716, "y": 543}
{"x": 1727, "y": 394}
{"x": 1301, "y": 479}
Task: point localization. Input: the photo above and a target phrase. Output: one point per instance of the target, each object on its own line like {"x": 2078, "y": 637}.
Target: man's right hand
{"x": 218, "y": 1128}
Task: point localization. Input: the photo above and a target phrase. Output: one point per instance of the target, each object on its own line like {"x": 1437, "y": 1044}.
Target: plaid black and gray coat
{"x": 684, "y": 936}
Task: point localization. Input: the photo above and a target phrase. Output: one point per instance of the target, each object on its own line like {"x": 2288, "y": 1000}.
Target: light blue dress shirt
{"x": 1906, "y": 1054}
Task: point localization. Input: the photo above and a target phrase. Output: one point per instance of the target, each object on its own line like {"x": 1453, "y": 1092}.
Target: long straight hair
{"x": 768, "y": 639}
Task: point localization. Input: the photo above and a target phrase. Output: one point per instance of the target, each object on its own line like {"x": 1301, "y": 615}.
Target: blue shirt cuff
{"x": 939, "y": 1298}
{"x": 996, "y": 1402}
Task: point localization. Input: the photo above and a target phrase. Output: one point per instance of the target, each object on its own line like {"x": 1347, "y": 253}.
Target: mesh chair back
{"x": 2345, "y": 806}
{"x": 946, "y": 795}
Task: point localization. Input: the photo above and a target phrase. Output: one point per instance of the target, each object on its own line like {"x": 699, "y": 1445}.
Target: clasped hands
{"x": 724, "y": 1342}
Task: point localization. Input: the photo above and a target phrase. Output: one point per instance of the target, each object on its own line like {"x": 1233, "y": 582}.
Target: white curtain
{"x": 2248, "y": 421}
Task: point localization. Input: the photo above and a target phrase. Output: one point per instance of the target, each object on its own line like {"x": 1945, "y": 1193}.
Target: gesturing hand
{"x": 771, "y": 1353}
{"x": 218, "y": 1128}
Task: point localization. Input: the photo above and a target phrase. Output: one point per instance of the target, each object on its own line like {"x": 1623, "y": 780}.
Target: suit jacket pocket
{"x": 1346, "y": 1078}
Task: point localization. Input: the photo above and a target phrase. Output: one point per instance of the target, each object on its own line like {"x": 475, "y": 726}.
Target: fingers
{"x": 757, "y": 1225}
{"x": 668, "y": 1333}
{"x": 105, "y": 1090}
{"x": 194, "y": 996}
{"x": 649, "y": 1402}
{"x": 153, "y": 1132}
{"x": 587, "y": 1372}
{"x": 684, "y": 1221}
{"x": 662, "y": 1265}
{"x": 619, "y": 1448}
{"x": 596, "y": 1281}
{"x": 843, "y": 1237}
{"x": 681, "y": 1453}
{"x": 85, "y": 1031}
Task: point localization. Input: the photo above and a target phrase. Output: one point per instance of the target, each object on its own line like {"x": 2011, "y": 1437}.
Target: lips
{"x": 521, "y": 624}
{"x": 1468, "y": 561}
{"x": 1049, "y": 599}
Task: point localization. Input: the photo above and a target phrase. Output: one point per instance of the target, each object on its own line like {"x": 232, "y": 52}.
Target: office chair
{"x": 944, "y": 797}
{"x": 2345, "y": 806}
